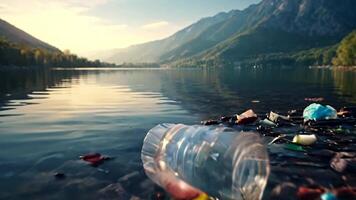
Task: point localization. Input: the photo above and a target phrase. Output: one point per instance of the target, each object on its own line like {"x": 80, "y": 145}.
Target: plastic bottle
{"x": 217, "y": 160}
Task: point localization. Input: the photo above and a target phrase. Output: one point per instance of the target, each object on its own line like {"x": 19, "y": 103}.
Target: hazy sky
{"x": 88, "y": 25}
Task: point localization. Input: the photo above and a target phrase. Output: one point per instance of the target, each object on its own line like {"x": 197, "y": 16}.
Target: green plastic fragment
{"x": 294, "y": 147}
{"x": 339, "y": 130}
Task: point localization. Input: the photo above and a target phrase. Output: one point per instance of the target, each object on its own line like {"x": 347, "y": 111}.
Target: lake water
{"x": 49, "y": 118}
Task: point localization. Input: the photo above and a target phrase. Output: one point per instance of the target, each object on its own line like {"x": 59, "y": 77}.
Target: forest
{"x": 12, "y": 54}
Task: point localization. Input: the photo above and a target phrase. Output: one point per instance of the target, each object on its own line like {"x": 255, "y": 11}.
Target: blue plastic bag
{"x": 318, "y": 112}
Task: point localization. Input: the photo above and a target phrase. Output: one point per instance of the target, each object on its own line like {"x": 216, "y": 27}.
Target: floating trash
{"x": 274, "y": 117}
{"x": 246, "y": 118}
{"x": 328, "y": 196}
{"x": 344, "y": 162}
{"x": 305, "y": 193}
{"x": 59, "y": 175}
{"x": 304, "y": 139}
{"x": 267, "y": 122}
{"x": 347, "y": 112}
{"x": 314, "y": 99}
{"x": 319, "y": 112}
{"x": 276, "y": 139}
{"x": 94, "y": 159}
{"x": 294, "y": 147}
{"x": 325, "y": 141}
{"x": 210, "y": 122}
{"x": 236, "y": 162}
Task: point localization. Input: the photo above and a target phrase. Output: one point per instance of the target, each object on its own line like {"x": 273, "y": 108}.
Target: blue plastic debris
{"x": 328, "y": 196}
{"x": 319, "y": 112}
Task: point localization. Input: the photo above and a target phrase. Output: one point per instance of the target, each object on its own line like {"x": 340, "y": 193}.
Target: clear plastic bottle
{"x": 217, "y": 160}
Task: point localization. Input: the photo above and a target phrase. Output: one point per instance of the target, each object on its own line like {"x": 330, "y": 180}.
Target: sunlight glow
{"x": 155, "y": 25}
{"x": 66, "y": 25}
{"x": 85, "y": 97}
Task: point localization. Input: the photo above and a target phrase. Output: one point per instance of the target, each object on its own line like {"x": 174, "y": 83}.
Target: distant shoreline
{"x": 157, "y": 66}
{"x": 345, "y": 68}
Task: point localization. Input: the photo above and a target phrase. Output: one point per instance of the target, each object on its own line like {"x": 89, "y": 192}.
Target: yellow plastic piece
{"x": 202, "y": 196}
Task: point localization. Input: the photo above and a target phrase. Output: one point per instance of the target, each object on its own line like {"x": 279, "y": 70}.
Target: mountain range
{"x": 16, "y": 35}
{"x": 269, "y": 27}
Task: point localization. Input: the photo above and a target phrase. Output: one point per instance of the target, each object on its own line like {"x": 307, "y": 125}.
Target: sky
{"x": 93, "y": 25}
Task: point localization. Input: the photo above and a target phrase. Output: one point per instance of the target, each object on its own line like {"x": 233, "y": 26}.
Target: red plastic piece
{"x": 94, "y": 159}
{"x": 246, "y": 117}
{"x": 305, "y": 193}
{"x": 182, "y": 191}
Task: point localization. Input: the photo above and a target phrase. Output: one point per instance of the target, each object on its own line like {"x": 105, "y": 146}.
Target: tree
{"x": 346, "y": 52}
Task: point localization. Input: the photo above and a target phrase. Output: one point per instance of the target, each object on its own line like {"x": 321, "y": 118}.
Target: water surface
{"x": 48, "y": 118}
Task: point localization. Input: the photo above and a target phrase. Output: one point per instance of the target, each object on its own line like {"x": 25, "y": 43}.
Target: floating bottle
{"x": 190, "y": 160}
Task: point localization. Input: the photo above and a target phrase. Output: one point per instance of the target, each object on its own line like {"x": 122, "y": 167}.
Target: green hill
{"x": 346, "y": 51}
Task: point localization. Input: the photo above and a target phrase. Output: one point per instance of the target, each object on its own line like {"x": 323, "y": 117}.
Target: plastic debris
{"x": 158, "y": 196}
{"x": 59, "y": 175}
{"x": 247, "y": 117}
{"x": 105, "y": 171}
{"x": 324, "y": 143}
{"x": 181, "y": 190}
{"x": 316, "y": 193}
{"x": 304, "y": 139}
{"x": 343, "y": 162}
{"x": 347, "y": 112}
{"x": 274, "y": 117}
{"x": 94, "y": 159}
{"x": 283, "y": 189}
{"x": 267, "y": 122}
{"x": 292, "y": 112}
{"x": 225, "y": 118}
{"x": 210, "y": 122}
{"x": 328, "y": 196}
{"x": 305, "y": 193}
{"x": 215, "y": 156}
{"x": 276, "y": 139}
{"x": 319, "y": 112}
{"x": 294, "y": 147}
{"x": 165, "y": 144}
{"x": 314, "y": 99}
{"x": 202, "y": 196}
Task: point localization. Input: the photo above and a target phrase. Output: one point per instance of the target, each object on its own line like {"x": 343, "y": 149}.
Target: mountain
{"x": 289, "y": 26}
{"x": 19, "y": 49}
{"x": 269, "y": 27}
{"x": 152, "y": 51}
{"x": 15, "y": 35}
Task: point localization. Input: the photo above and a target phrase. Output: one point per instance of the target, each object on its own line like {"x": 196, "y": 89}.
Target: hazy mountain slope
{"x": 151, "y": 51}
{"x": 240, "y": 21}
{"x": 271, "y": 26}
{"x": 15, "y": 35}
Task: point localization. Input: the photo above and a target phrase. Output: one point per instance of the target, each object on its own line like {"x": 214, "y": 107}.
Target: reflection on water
{"x": 345, "y": 83}
{"x": 49, "y": 118}
{"x": 218, "y": 92}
